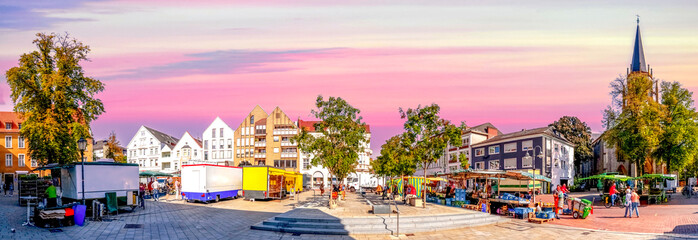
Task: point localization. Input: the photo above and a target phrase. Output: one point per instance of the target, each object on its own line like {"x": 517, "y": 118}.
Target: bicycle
{"x": 620, "y": 199}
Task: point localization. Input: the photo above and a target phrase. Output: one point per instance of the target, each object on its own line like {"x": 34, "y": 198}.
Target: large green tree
{"x": 577, "y": 132}
{"x": 54, "y": 97}
{"x": 342, "y": 136}
{"x": 633, "y": 120}
{"x": 427, "y": 135}
{"x": 395, "y": 159}
{"x": 679, "y": 142}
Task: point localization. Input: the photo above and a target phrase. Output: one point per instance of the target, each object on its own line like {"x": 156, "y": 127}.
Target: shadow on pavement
{"x": 685, "y": 229}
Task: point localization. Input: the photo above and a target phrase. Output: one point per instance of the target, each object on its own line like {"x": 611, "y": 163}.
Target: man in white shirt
{"x": 156, "y": 195}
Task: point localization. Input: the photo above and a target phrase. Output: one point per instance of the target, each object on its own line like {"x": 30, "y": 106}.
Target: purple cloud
{"x": 24, "y": 15}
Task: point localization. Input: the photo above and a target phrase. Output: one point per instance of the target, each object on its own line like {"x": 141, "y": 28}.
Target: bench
{"x": 379, "y": 208}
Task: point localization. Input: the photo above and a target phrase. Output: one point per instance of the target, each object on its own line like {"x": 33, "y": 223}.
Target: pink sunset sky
{"x": 176, "y": 65}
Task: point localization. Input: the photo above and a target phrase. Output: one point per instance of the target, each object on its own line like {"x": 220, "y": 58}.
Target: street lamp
{"x": 533, "y": 164}
{"x": 82, "y": 144}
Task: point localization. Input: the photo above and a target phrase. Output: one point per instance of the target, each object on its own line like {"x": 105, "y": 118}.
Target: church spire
{"x": 638, "y": 62}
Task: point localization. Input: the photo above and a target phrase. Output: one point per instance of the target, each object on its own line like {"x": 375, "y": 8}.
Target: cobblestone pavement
{"x": 230, "y": 220}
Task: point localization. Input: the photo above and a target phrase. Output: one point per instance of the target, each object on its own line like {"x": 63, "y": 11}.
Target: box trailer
{"x": 207, "y": 182}
{"x": 263, "y": 182}
{"x": 293, "y": 180}
{"x": 100, "y": 178}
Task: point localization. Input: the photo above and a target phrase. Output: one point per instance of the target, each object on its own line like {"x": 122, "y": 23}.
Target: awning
{"x": 154, "y": 174}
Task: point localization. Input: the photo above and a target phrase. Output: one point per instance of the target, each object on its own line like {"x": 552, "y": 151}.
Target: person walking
{"x": 612, "y": 193}
{"x": 560, "y": 202}
{"x": 635, "y": 203}
{"x": 628, "y": 203}
{"x": 141, "y": 195}
{"x": 154, "y": 186}
{"x": 2, "y": 187}
{"x": 176, "y": 186}
{"x": 51, "y": 195}
{"x": 12, "y": 189}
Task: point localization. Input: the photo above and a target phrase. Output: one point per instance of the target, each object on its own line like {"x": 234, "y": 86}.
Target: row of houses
{"x": 260, "y": 139}
{"x": 539, "y": 150}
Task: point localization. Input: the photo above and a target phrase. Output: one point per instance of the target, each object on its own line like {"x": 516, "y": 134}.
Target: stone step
{"x": 303, "y": 224}
{"x": 383, "y": 219}
{"x": 314, "y": 220}
{"x": 319, "y": 231}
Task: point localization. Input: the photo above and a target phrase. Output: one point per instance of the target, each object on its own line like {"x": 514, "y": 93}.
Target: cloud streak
{"x": 34, "y": 15}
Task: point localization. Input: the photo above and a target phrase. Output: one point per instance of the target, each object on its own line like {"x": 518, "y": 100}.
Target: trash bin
{"x": 80, "y": 214}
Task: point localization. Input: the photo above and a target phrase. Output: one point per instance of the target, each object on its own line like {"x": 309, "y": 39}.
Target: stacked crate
{"x": 31, "y": 187}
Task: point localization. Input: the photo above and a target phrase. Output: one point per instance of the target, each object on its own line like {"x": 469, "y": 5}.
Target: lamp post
{"x": 533, "y": 164}
{"x": 82, "y": 144}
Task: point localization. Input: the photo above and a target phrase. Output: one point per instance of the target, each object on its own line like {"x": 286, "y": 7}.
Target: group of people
{"x": 153, "y": 189}
{"x": 8, "y": 187}
{"x": 560, "y": 198}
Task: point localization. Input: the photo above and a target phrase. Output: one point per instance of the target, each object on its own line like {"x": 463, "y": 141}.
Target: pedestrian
{"x": 150, "y": 189}
{"x": 3, "y": 188}
{"x": 612, "y": 193}
{"x": 560, "y": 202}
{"x": 12, "y": 189}
{"x": 141, "y": 195}
{"x": 628, "y": 203}
{"x": 176, "y": 186}
{"x": 635, "y": 203}
{"x": 154, "y": 186}
{"x": 51, "y": 195}
{"x": 322, "y": 189}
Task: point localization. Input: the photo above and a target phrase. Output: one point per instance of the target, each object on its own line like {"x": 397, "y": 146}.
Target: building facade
{"x": 450, "y": 161}
{"x": 265, "y": 139}
{"x": 508, "y": 152}
{"x": 100, "y": 149}
{"x": 188, "y": 150}
{"x": 218, "y": 143}
{"x": 147, "y": 146}
{"x": 320, "y": 176}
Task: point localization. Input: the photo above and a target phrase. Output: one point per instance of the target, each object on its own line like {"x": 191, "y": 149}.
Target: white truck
{"x": 100, "y": 178}
{"x": 207, "y": 182}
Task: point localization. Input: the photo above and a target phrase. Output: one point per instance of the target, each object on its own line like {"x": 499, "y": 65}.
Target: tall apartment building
{"x": 218, "y": 143}
{"x": 320, "y": 175}
{"x": 264, "y": 139}
{"x": 147, "y": 147}
{"x": 449, "y": 162}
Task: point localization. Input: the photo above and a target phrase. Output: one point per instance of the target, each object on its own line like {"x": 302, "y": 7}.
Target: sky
{"x": 176, "y": 65}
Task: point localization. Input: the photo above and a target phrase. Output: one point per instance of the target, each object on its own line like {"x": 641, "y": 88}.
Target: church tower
{"x": 638, "y": 66}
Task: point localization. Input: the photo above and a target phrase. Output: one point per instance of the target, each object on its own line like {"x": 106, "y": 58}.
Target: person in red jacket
{"x": 612, "y": 193}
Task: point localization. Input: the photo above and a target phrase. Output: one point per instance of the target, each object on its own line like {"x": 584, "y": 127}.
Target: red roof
{"x": 12, "y": 118}
{"x": 310, "y": 125}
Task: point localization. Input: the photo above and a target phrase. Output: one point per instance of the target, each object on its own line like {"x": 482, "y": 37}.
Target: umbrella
{"x": 654, "y": 176}
{"x": 607, "y": 177}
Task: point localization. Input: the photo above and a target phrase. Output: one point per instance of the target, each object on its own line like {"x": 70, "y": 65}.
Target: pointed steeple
{"x": 638, "y": 62}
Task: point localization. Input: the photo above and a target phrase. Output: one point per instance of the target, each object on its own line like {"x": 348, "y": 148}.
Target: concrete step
{"x": 315, "y": 220}
{"x": 303, "y": 224}
{"x": 300, "y": 230}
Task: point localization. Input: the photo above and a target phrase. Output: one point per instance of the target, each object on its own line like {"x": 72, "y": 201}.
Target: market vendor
{"x": 51, "y": 195}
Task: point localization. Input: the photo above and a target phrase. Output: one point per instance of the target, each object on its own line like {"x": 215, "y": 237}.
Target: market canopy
{"x": 654, "y": 176}
{"x": 154, "y": 174}
{"x": 527, "y": 176}
{"x": 608, "y": 177}
{"x": 468, "y": 174}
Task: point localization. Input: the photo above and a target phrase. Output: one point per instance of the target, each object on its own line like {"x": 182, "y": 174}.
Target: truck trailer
{"x": 207, "y": 182}
{"x": 100, "y": 178}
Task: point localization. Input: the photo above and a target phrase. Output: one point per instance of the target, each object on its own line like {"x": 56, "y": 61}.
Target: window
{"x": 19, "y": 126}
{"x": 196, "y": 153}
{"x": 276, "y": 138}
{"x": 221, "y": 142}
{"x": 527, "y": 145}
{"x": 230, "y": 143}
{"x": 177, "y": 153}
{"x": 213, "y": 133}
{"x": 213, "y": 144}
{"x": 20, "y": 160}
{"x": 276, "y": 150}
{"x": 238, "y": 142}
{"x": 205, "y": 144}
{"x": 479, "y": 152}
{"x": 205, "y": 155}
{"x": 306, "y": 163}
{"x": 466, "y": 141}
{"x": 34, "y": 164}
{"x": 479, "y": 165}
{"x": 494, "y": 165}
{"x": 494, "y": 150}
{"x": 220, "y": 132}
{"x": 8, "y": 160}
{"x": 8, "y": 141}
{"x": 229, "y": 154}
{"x": 510, "y": 163}
{"x": 165, "y": 154}
{"x": 509, "y": 148}
{"x": 252, "y": 119}
{"x": 8, "y": 125}
{"x": 527, "y": 162}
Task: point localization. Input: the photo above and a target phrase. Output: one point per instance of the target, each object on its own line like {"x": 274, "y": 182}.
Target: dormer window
{"x": 252, "y": 119}
{"x": 8, "y": 125}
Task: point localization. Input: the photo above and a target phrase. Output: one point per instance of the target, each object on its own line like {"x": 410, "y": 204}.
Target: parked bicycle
{"x": 620, "y": 200}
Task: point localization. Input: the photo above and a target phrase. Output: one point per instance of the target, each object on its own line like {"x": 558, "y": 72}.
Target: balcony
{"x": 260, "y": 144}
{"x": 260, "y": 155}
{"x": 289, "y": 155}
{"x": 260, "y": 132}
{"x": 285, "y": 132}
{"x": 288, "y": 144}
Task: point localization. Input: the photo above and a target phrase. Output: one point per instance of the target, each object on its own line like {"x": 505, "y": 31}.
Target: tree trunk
{"x": 424, "y": 195}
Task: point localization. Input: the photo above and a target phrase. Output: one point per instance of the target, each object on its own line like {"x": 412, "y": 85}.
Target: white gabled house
{"x": 187, "y": 150}
{"x": 146, "y": 146}
{"x": 218, "y": 147}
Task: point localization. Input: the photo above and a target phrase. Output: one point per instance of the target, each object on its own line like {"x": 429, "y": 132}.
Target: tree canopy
{"x": 114, "y": 150}
{"x": 577, "y": 132}
{"x": 54, "y": 97}
{"x": 394, "y": 159}
{"x": 342, "y": 136}
{"x": 678, "y": 144}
